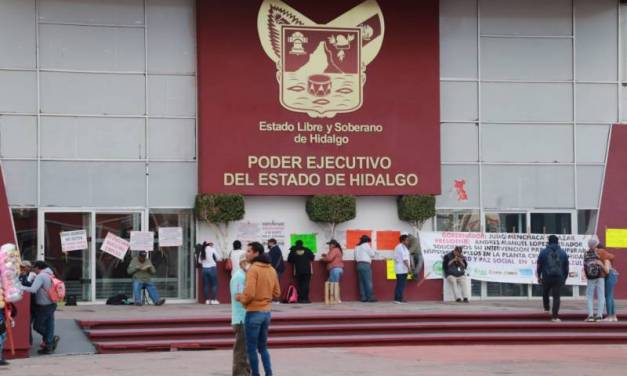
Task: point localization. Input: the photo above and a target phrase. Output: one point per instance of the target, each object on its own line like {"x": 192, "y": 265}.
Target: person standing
{"x": 238, "y": 317}
{"x": 401, "y": 268}
{"x": 595, "y": 272}
{"x": 262, "y": 285}
{"x": 301, "y": 258}
{"x": 335, "y": 266}
{"x": 276, "y": 257}
{"x": 208, "y": 259}
{"x": 415, "y": 257}
{"x": 235, "y": 256}
{"x": 454, "y": 265}
{"x": 610, "y": 282}
{"x": 552, "y": 272}
{"x": 44, "y": 307}
{"x": 142, "y": 270}
{"x": 5, "y": 323}
{"x": 363, "y": 257}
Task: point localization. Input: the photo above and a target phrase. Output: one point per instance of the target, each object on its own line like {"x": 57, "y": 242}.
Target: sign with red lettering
{"x": 312, "y": 97}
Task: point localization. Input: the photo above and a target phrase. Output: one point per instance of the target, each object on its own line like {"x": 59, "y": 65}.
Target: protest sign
{"x": 387, "y": 240}
{"x": 115, "y": 246}
{"x": 352, "y": 237}
{"x": 170, "y": 236}
{"x": 616, "y": 238}
{"x": 142, "y": 240}
{"x": 73, "y": 240}
{"x": 273, "y": 230}
{"x": 309, "y": 241}
{"x": 501, "y": 257}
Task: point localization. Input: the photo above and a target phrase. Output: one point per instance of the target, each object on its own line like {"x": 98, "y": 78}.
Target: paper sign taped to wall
{"x": 309, "y": 241}
{"x": 616, "y": 238}
{"x": 142, "y": 240}
{"x": 352, "y": 237}
{"x": 391, "y": 274}
{"x": 73, "y": 240}
{"x": 170, "y": 236}
{"x": 115, "y": 246}
{"x": 387, "y": 240}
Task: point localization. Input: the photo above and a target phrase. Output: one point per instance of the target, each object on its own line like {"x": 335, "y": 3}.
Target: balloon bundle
{"x": 10, "y": 274}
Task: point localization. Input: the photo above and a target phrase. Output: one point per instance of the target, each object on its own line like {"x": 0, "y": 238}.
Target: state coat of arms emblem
{"x": 321, "y": 69}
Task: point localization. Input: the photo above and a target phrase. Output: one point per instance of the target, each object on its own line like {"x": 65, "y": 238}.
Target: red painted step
{"x": 132, "y": 334}
{"x": 564, "y": 337}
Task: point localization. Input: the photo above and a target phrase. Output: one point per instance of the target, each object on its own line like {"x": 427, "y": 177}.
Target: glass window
{"x": 506, "y": 222}
{"x": 111, "y": 275}
{"x": 551, "y": 223}
{"x": 586, "y": 221}
{"x": 25, "y": 221}
{"x": 174, "y": 278}
{"x": 74, "y": 267}
{"x": 458, "y": 220}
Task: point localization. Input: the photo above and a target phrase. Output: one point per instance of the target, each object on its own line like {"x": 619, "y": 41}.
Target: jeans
{"x": 552, "y": 286}
{"x": 44, "y": 322}
{"x": 149, "y": 286}
{"x": 210, "y": 276}
{"x": 610, "y": 283}
{"x": 401, "y": 282}
{"x": 364, "y": 274}
{"x": 2, "y": 337}
{"x": 257, "y": 324}
{"x": 240, "y": 357}
{"x": 416, "y": 265}
{"x": 335, "y": 274}
{"x": 302, "y": 286}
{"x": 459, "y": 286}
{"x": 597, "y": 285}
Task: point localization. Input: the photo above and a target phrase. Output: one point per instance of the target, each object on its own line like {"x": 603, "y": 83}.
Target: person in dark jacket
{"x": 454, "y": 266}
{"x": 301, "y": 258}
{"x": 552, "y": 273}
{"x": 276, "y": 257}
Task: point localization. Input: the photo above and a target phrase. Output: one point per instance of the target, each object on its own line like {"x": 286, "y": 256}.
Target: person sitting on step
{"x": 142, "y": 271}
{"x": 455, "y": 265}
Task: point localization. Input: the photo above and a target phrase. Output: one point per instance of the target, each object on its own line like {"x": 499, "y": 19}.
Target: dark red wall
{"x": 384, "y": 289}
{"x": 613, "y": 212}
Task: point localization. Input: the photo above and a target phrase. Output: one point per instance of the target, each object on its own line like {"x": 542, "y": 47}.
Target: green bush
{"x": 416, "y": 209}
{"x": 220, "y": 208}
{"x": 331, "y": 210}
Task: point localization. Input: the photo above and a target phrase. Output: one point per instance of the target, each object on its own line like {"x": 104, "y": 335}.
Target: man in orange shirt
{"x": 262, "y": 286}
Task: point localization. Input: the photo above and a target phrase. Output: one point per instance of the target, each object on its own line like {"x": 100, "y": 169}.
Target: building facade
{"x": 98, "y": 129}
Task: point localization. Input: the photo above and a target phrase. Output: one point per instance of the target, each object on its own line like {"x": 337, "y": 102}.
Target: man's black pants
{"x": 552, "y": 286}
{"x": 302, "y": 286}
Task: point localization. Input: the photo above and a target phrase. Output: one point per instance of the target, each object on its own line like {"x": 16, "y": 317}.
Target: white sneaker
{"x": 215, "y": 302}
{"x": 207, "y": 302}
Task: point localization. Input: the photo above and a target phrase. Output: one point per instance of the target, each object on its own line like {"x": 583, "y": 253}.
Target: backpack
{"x": 56, "y": 293}
{"x": 590, "y": 265}
{"x": 291, "y": 296}
{"x": 554, "y": 264}
{"x": 119, "y": 299}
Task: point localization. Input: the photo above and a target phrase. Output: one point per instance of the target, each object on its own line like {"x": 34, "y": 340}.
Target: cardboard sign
{"x": 616, "y": 238}
{"x": 115, "y": 246}
{"x": 352, "y": 237}
{"x": 309, "y": 241}
{"x": 390, "y": 273}
{"x": 142, "y": 240}
{"x": 387, "y": 240}
{"x": 73, "y": 240}
{"x": 170, "y": 236}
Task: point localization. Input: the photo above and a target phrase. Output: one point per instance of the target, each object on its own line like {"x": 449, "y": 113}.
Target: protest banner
{"x": 73, "y": 240}
{"x": 501, "y": 257}
{"x": 115, "y": 246}
{"x": 273, "y": 230}
{"x": 170, "y": 236}
{"x": 142, "y": 240}
{"x": 248, "y": 232}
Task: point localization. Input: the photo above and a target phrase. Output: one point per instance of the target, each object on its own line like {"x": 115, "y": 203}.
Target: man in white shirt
{"x": 401, "y": 267}
{"x": 363, "y": 256}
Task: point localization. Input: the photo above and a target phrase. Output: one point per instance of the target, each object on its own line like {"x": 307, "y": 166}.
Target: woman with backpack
{"x": 595, "y": 271}
{"x": 335, "y": 266}
{"x": 45, "y": 307}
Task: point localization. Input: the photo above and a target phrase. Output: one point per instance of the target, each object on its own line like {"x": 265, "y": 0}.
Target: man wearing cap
{"x": 142, "y": 271}
{"x": 363, "y": 256}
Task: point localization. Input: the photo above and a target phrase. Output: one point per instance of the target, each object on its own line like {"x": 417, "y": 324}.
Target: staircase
{"x": 354, "y": 329}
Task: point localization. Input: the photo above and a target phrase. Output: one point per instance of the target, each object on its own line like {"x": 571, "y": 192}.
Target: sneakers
{"x": 207, "y": 302}
{"x": 3, "y": 362}
{"x": 160, "y": 302}
{"x": 590, "y": 319}
{"x": 598, "y": 318}
{"x": 555, "y": 319}
{"x": 45, "y": 351}
{"x": 55, "y": 342}
{"x": 458, "y": 300}
{"x": 466, "y": 300}
{"x": 214, "y": 302}
{"x": 399, "y": 302}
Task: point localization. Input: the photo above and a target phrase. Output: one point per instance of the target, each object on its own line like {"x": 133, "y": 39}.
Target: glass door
{"x": 111, "y": 276}
{"x": 74, "y": 267}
